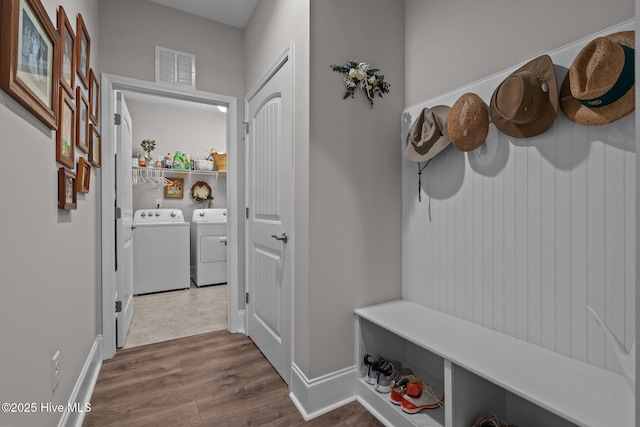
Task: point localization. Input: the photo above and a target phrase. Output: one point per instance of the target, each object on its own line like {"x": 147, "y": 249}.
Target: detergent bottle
{"x": 177, "y": 161}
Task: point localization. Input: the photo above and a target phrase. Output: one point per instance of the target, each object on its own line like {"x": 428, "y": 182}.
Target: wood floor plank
{"x": 213, "y": 379}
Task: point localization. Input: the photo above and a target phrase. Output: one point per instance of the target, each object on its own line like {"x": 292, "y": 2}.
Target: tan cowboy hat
{"x": 428, "y": 134}
{"x": 600, "y": 85}
{"x": 468, "y": 122}
{"x": 525, "y": 104}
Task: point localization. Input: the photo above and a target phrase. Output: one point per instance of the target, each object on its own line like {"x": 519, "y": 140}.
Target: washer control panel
{"x": 154, "y": 216}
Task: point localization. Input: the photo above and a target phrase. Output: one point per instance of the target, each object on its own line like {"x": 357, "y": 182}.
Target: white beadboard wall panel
{"x": 522, "y": 234}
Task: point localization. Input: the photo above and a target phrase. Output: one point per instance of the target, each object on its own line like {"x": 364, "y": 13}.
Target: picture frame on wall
{"x": 66, "y": 134}
{"x": 67, "y": 192}
{"x": 82, "y": 121}
{"x": 95, "y": 146}
{"x": 29, "y": 58}
{"x": 67, "y": 52}
{"x": 84, "y": 175}
{"x": 94, "y": 97}
{"x": 174, "y": 189}
{"x": 83, "y": 51}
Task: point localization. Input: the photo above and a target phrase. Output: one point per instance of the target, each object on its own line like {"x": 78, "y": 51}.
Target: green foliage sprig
{"x": 148, "y": 145}
{"x": 358, "y": 75}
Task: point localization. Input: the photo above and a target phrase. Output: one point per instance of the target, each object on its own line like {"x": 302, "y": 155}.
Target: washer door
{"x": 213, "y": 249}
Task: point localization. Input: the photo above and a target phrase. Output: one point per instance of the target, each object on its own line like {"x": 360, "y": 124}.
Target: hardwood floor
{"x": 213, "y": 379}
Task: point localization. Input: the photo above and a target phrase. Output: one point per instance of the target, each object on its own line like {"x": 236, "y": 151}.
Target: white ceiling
{"x": 230, "y": 12}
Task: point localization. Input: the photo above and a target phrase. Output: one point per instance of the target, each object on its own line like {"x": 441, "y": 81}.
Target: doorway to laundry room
{"x": 176, "y": 153}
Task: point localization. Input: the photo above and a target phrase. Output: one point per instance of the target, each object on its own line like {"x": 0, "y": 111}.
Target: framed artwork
{"x": 67, "y": 193}
{"x": 82, "y": 120}
{"x": 67, "y": 52}
{"x": 65, "y": 136}
{"x": 94, "y": 97}
{"x": 175, "y": 189}
{"x": 29, "y": 58}
{"x": 83, "y": 50}
{"x": 84, "y": 176}
{"x": 95, "y": 146}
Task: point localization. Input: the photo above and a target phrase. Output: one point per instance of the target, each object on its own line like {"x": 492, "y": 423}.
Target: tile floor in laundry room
{"x": 168, "y": 315}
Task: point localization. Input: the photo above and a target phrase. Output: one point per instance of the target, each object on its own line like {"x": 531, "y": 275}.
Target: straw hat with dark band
{"x": 468, "y": 122}
{"x": 428, "y": 134}
{"x": 525, "y": 104}
{"x": 600, "y": 85}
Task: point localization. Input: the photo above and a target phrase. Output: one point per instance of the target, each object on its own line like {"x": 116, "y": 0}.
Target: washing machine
{"x": 209, "y": 246}
{"x": 160, "y": 251}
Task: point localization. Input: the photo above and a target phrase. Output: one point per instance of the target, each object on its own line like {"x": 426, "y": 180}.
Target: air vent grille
{"x": 175, "y": 68}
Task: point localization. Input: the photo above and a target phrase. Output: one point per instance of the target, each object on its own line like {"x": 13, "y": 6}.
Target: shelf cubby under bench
{"x": 483, "y": 371}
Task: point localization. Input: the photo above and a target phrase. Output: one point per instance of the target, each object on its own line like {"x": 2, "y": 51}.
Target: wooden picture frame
{"x": 84, "y": 176}
{"x": 66, "y": 134}
{"x": 95, "y": 146}
{"x": 175, "y": 189}
{"x": 82, "y": 120}
{"x": 67, "y": 192}
{"x": 29, "y": 58}
{"x": 67, "y": 52}
{"x": 94, "y": 97}
{"x": 83, "y": 51}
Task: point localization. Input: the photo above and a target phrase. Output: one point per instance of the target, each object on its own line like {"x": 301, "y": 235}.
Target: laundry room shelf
{"x": 181, "y": 171}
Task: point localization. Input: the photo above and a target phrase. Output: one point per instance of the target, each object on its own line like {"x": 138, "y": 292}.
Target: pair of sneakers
{"x": 381, "y": 373}
{"x": 413, "y": 395}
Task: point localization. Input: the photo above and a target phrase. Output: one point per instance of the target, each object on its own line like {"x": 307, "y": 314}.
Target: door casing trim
{"x": 110, "y": 84}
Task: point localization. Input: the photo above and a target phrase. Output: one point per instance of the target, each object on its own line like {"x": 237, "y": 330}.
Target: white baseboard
{"x": 81, "y": 394}
{"x": 236, "y": 323}
{"x": 320, "y": 395}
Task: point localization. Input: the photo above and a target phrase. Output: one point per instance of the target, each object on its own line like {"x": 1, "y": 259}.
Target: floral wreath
{"x": 358, "y": 75}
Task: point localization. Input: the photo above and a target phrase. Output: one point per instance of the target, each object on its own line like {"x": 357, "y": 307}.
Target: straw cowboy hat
{"x": 525, "y": 104}
{"x": 468, "y": 122}
{"x": 600, "y": 85}
{"x": 428, "y": 134}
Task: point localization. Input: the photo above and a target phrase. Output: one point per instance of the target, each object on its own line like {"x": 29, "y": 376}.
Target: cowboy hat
{"x": 599, "y": 87}
{"x": 468, "y": 122}
{"x": 525, "y": 104}
{"x": 428, "y": 134}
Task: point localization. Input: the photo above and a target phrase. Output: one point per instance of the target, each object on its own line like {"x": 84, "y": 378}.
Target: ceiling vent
{"x": 175, "y": 68}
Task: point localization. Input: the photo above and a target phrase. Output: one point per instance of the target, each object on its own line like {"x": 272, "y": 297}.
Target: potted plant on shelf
{"x": 148, "y": 145}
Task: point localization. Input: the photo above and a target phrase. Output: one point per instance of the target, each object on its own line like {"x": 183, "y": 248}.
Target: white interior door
{"x": 269, "y": 222}
{"x": 124, "y": 218}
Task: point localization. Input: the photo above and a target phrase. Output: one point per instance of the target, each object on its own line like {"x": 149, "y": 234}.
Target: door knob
{"x": 284, "y": 237}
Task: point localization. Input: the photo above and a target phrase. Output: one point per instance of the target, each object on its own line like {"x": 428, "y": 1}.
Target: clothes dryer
{"x": 160, "y": 250}
{"x": 209, "y": 247}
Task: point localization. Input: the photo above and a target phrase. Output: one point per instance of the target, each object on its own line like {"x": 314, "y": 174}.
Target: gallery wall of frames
{"x": 48, "y": 71}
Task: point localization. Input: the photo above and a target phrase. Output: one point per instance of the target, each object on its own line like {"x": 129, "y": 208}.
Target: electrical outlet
{"x": 55, "y": 370}
{"x": 158, "y": 203}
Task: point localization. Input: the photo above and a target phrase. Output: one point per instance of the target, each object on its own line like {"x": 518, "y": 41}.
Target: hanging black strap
{"x": 420, "y": 169}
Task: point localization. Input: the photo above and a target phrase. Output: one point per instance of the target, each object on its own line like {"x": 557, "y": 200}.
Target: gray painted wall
{"x": 49, "y": 258}
{"x": 451, "y": 43}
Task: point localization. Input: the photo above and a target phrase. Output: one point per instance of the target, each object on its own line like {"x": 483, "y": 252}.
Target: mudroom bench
{"x": 484, "y": 371}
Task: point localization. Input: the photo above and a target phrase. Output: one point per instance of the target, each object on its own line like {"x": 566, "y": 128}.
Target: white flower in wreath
{"x": 353, "y": 73}
{"x": 372, "y": 80}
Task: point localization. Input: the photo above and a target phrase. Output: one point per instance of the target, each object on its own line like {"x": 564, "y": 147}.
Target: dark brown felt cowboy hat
{"x": 525, "y": 104}
{"x": 600, "y": 86}
{"x": 468, "y": 122}
{"x": 428, "y": 134}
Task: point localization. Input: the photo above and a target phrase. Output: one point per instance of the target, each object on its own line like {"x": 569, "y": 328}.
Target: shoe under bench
{"x": 483, "y": 371}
